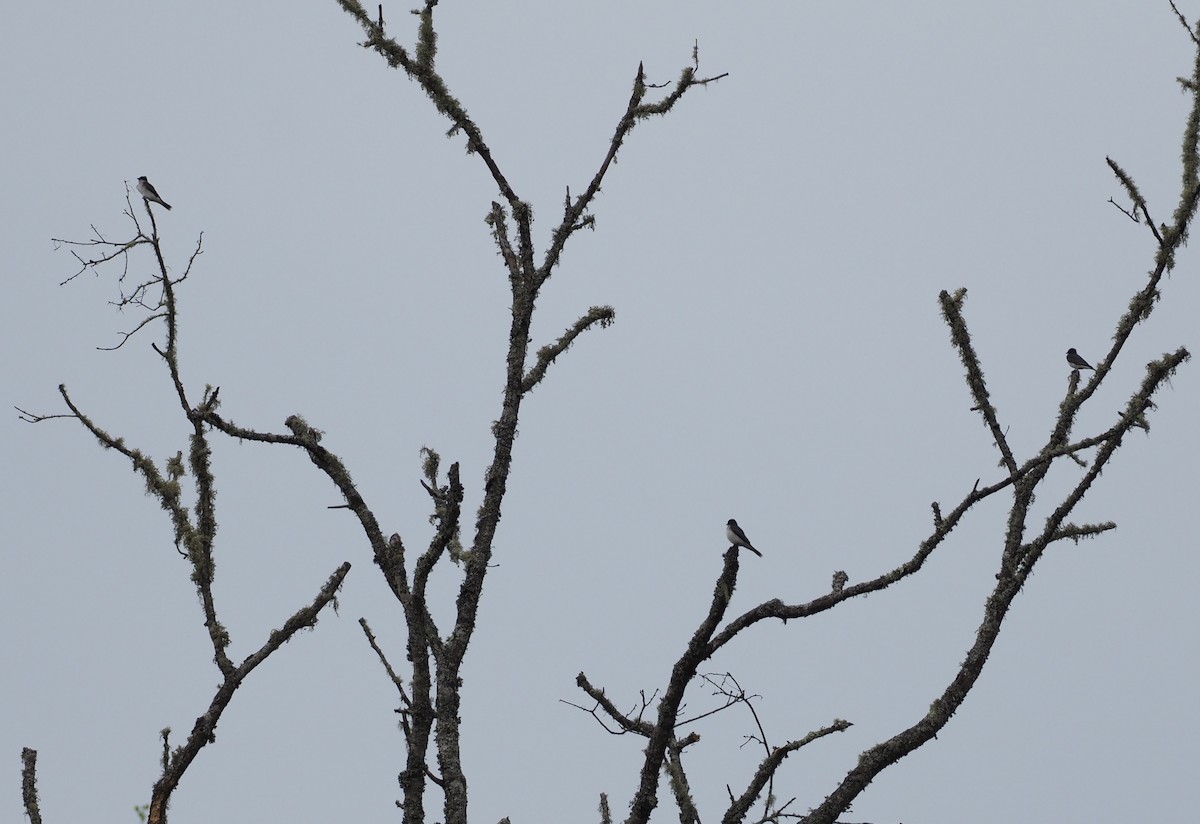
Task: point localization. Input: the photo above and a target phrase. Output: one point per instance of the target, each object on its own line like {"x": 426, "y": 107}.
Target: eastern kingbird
{"x": 146, "y": 190}
{"x": 738, "y": 538}
{"x": 1077, "y": 362}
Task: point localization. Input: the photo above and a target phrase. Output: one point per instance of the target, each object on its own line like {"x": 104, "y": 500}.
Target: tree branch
{"x": 29, "y": 794}
{"x": 605, "y": 316}
{"x": 204, "y": 730}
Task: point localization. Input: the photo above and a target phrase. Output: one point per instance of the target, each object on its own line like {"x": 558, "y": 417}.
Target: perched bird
{"x": 738, "y": 538}
{"x": 146, "y": 190}
{"x": 1077, "y": 362}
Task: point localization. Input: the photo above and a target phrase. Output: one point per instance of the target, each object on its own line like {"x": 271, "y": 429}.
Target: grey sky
{"x": 773, "y": 249}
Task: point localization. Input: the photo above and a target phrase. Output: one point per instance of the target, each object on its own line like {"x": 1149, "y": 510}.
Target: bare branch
{"x": 395, "y": 679}
{"x": 1018, "y": 564}
{"x": 605, "y": 316}
{"x": 961, "y": 338}
{"x": 498, "y": 220}
{"x": 680, "y": 788}
{"x": 698, "y": 650}
{"x": 114, "y": 251}
{"x": 165, "y": 489}
{"x": 1139, "y": 203}
{"x": 204, "y": 730}
{"x": 125, "y": 336}
{"x": 33, "y": 417}
{"x": 574, "y": 213}
{"x": 421, "y": 69}
{"x": 1078, "y": 532}
{"x": 624, "y": 721}
{"x": 1183, "y": 22}
{"x": 765, "y": 774}
{"x": 29, "y": 794}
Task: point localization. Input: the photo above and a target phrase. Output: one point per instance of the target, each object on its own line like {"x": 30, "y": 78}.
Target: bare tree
{"x": 1017, "y": 553}
{"x": 194, "y": 527}
{"x": 430, "y": 695}
{"x": 429, "y": 691}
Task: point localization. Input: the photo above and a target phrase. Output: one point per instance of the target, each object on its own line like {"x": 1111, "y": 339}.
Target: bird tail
{"x": 755, "y": 551}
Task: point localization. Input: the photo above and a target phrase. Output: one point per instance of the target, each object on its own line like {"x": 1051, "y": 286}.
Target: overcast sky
{"x": 773, "y": 248}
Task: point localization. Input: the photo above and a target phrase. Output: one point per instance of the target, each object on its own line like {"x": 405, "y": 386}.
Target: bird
{"x": 147, "y": 190}
{"x": 1077, "y": 362}
{"x": 738, "y": 538}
